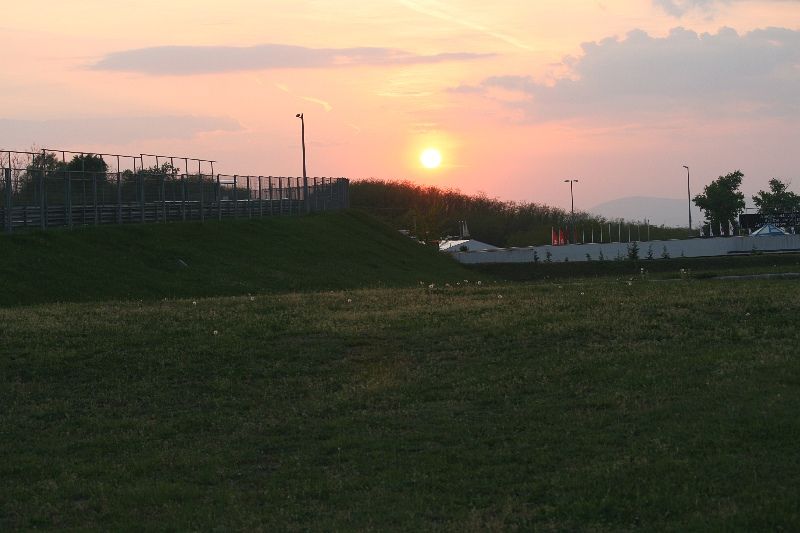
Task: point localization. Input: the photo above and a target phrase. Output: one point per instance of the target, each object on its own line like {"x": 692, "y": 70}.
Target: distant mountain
{"x": 666, "y": 211}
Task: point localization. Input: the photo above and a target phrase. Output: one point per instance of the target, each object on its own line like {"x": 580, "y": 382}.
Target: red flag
{"x": 553, "y": 238}
{"x": 562, "y": 239}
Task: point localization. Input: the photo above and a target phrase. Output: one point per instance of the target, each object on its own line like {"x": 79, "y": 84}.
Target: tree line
{"x": 431, "y": 213}
{"x": 722, "y": 201}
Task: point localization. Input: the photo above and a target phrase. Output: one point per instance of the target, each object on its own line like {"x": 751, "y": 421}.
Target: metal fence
{"x": 37, "y": 198}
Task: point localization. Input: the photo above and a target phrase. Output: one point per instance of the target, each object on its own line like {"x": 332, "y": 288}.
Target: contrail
{"x": 443, "y": 15}
{"x": 325, "y": 105}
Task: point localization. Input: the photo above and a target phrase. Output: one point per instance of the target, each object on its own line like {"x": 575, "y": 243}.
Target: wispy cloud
{"x": 436, "y": 10}
{"x": 679, "y": 8}
{"x": 325, "y": 105}
{"x": 114, "y": 130}
{"x": 189, "y": 60}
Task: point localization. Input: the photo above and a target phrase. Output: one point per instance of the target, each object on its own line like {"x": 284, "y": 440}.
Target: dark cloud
{"x": 752, "y": 74}
{"x": 188, "y": 60}
{"x": 113, "y": 130}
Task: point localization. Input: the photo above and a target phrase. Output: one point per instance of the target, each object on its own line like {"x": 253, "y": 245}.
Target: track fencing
{"x": 40, "y": 198}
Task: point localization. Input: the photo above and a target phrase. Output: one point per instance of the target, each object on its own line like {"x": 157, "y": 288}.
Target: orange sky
{"x": 517, "y": 97}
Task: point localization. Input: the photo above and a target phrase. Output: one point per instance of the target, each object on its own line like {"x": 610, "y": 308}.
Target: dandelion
{"x": 216, "y": 332}
{"x": 252, "y": 298}
{"x": 479, "y": 282}
{"x": 447, "y": 285}
{"x": 194, "y": 303}
{"x": 629, "y": 283}
{"x": 499, "y": 296}
{"x": 467, "y": 281}
{"x": 581, "y": 294}
{"x": 432, "y": 285}
{"x": 747, "y": 314}
{"x": 349, "y": 300}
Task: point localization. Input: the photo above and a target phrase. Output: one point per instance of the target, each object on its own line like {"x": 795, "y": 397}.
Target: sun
{"x": 430, "y": 158}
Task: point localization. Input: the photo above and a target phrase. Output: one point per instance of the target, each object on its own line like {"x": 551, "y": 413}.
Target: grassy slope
{"x": 330, "y": 251}
{"x": 593, "y": 406}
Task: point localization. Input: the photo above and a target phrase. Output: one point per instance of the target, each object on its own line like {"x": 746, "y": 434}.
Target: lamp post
{"x": 305, "y": 176}
{"x": 689, "y": 192}
{"x": 572, "y": 203}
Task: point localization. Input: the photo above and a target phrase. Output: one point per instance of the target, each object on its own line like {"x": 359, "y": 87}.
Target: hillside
{"x": 234, "y": 257}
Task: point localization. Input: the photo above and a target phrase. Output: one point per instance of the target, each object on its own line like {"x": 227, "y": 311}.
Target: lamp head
{"x": 684, "y": 166}
{"x": 299, "y": 115}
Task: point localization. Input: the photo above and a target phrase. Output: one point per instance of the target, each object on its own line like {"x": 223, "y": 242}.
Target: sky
{"x": 516, "y": 96}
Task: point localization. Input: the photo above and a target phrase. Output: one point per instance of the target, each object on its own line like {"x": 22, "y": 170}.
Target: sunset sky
{"x": 516, "y": 96}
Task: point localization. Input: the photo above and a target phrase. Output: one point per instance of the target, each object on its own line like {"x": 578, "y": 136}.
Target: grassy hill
{"x": 342, "y": 395}
{"x": 326, "y": 251}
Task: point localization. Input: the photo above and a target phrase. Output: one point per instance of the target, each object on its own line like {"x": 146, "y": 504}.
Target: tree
{"x": 777, "y": 200}
{"x": 722, "y": 201}
{"x": 87, "y": 163}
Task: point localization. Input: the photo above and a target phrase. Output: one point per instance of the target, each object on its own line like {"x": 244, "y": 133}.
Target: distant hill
{"x": 666, "y": 211}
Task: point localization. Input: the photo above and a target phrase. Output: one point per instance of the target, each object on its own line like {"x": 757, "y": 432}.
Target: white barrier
{"x": 698, "y": 247}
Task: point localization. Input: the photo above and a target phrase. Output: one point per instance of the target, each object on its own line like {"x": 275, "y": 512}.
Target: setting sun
{"x": 430, "y": 158}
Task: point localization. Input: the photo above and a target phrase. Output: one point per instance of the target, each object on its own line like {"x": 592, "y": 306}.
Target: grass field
{"x": 588, "y": 404}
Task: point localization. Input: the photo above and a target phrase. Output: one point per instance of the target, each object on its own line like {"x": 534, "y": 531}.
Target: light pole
{"x": 689, "y": 192}
{"x": 305, "y": 176}
{"x": 572, "y": 203}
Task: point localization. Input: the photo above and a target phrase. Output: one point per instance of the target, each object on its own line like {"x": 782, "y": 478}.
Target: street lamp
{"x": 689, "y": 192}
{"x": 305, "y": 176}
{"x": 572, "y": 203}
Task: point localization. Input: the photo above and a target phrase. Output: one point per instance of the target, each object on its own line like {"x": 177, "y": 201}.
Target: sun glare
{"x": 431, "y": 158}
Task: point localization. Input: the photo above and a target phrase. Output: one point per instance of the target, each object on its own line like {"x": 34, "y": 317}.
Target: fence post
{"x": 270, "y": 196}
{"x": 260, "y": 199}
{"x": 280, "y": 196}
{"x": 94, "y": 199}
{"x": 141, "y": 198}
{"x": 183, "y": 196}
{"x": 7, "y": 203}
{"x": 202, "y": 206}
{"x": 42, "y": 199}
{"x": 67, "y": 200}
{"x": 219, "y": 199}
{"x": 235, "y": 196}
{"x": 119, "y": 196}
{"x": 249, "y": 199}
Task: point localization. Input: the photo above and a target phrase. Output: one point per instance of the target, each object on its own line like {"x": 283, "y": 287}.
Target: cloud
{"x": 754, "y": 74}
{"x": 189, "y": 60}
{"x": 678, "y": 8}
{"x": 109, "y": 130}
{"x": 438, "y": 12}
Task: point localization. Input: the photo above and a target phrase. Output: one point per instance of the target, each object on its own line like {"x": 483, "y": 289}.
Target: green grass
{"x": 297, "y": 376}
{"x": 321, "y": 252}
{"x": 598, "y": 405}
{"x": 693, "y": 267}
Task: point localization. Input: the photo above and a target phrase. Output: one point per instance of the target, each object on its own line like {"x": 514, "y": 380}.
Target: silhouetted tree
{"x": 722, "y": 201}
{"x": 778, "y": 200}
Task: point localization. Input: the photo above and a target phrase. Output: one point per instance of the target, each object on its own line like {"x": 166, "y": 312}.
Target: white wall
{"x": 675, "y": 248}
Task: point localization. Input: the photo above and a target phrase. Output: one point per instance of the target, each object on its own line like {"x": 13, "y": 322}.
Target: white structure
{"x": 768, "y": 230}
{"x": 610, "y": 251}
{"x": 460, "y": 245}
